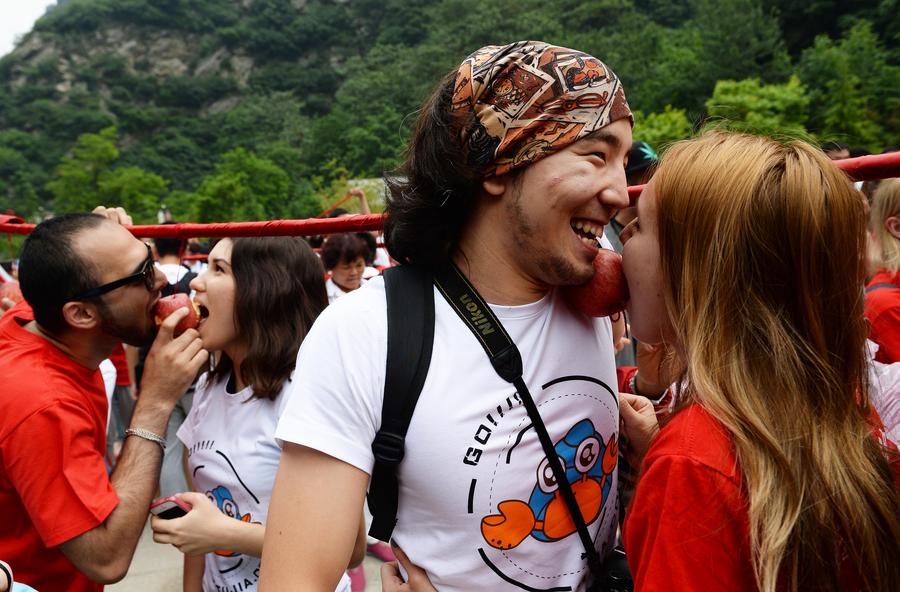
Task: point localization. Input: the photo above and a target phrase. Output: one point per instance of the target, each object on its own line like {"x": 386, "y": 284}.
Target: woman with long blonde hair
{"x": 883, "y": 290}
{"x": 748, "y": 260}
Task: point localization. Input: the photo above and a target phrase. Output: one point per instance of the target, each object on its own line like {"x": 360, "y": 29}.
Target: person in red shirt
{"x": 883, "y": 290}
{"x": 767, "y": 476}
{"x": 88, "y": 285}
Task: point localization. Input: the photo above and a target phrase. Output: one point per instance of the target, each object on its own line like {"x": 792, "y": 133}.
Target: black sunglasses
{"x": 147, "y": 274}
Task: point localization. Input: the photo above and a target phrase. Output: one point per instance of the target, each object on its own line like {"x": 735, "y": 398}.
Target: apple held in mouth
{"x": 166, "y": 306}
{"x": 604, "y": 294}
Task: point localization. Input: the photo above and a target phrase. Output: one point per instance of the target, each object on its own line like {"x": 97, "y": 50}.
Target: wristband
{"x": 147, "y": 435}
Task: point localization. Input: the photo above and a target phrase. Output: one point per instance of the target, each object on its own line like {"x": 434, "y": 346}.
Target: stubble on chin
{"x": 139, "y": 333}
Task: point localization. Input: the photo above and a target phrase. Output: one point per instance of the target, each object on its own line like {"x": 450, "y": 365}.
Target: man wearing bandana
{"x": 516, "y": 164}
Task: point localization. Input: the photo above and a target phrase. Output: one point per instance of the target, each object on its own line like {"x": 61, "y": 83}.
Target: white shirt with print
{"x": 478, "y": 507}
{"x": 233, "y": 458}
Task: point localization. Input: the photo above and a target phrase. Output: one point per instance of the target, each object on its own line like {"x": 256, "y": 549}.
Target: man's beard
{"x": 133, "y": 334}
{"x": 557, "y": 271}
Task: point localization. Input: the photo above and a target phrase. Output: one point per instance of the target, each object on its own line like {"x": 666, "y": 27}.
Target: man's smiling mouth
{"x": 587, "y": 230}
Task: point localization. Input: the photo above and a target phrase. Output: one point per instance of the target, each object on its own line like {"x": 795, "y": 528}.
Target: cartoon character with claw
{"x": 589, "y": 464}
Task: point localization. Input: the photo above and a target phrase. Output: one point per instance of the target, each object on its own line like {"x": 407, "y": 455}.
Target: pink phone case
{"x": 169, "y": 507}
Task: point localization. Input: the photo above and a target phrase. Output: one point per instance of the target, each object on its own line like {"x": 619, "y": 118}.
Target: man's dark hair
{"x": 432, "y": 193}
{"x": 371, "y": 246}
{"x": 168, "y": 246}
{"x": 345, "y": 247}
{"x": 834, "y": 146}
{"x": 51, "y": 272}
{"x": 279, "y": 291}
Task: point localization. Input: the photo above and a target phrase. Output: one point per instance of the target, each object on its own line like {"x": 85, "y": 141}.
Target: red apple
{"x": 12, "y": 291}
{"x": 606, "y": 293}
{"x": 166, "y": 306}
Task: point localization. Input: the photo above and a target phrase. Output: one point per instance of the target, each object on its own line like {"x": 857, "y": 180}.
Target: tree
{"x": 134, "y": 189}
{"x": 659, "y": 129}
{"x": 244, "y": 187}
{"x": 87, "y": 178}
{"x": 853, "y": 88}
{"x": 761, "y": 108}
{"x": 76, "y": 187}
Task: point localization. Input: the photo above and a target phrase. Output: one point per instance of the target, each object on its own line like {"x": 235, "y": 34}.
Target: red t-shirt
{"x": 53, "y": 481}
{"x": 120, "y": 361}
{"x": 883, "y": 312}
{"x": 688, "y": 527}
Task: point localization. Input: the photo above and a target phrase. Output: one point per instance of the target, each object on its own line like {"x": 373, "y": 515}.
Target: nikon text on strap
{"x": 410, "y": 312}
{"x": 507, "y": 362}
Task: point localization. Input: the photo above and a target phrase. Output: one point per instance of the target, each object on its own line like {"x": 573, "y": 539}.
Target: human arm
{"x": 205, "y": 529}
{"x": 315, "y": 507}
{"x": 104, "y": 553}
{"x": 363, "y": 202}
{"x": 192, "y": 577}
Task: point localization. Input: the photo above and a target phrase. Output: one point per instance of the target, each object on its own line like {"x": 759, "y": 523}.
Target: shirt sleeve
{"x": 885, "y": 331}
{"x": 687, "y": 529}
{"x": 54, "y": 463}
{"x": 334, "y": 402}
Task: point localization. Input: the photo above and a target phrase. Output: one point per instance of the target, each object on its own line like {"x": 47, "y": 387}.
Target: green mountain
{"x": 242, "y": 109}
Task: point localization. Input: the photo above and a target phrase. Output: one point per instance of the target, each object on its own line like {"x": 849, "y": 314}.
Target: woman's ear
{"x": 892, "y": 224}
{"x": 81, "y": 315}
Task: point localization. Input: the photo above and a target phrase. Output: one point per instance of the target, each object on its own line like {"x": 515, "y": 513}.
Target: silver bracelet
{"x": 147, "y": 435}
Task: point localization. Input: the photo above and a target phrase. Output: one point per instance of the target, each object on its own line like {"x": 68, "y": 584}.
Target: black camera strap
{"x": 507, "y": 362}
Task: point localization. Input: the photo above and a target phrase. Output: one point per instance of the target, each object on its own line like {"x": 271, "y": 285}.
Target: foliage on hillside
{"x": 247, "y": 109}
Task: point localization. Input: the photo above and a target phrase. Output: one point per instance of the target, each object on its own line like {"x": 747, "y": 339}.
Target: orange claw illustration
{"x": 510, "y": 527}
{"x": 611, "y": 455}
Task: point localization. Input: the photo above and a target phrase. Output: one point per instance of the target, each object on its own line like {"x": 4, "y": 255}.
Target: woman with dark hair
{"x": 344, "y": 256}
{"x": 258, "y": 300}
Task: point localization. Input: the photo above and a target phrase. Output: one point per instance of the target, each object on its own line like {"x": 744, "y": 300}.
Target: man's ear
{"x": 496, "y": 186}
{"x": 892, "y": 224}
{"x": 81, "y": 315}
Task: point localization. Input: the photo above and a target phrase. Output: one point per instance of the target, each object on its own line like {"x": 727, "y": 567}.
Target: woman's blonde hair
{"x": 886, "y": 203}
{"x": 762, "y": 247}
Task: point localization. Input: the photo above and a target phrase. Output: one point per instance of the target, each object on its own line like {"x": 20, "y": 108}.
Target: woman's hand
{"x": 639, "y": 426}
{"x": 392, "y": 581}
{"x": 202, "y": 530}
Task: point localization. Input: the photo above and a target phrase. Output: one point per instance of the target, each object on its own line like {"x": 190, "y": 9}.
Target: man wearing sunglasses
{"x": 88, "y": 284}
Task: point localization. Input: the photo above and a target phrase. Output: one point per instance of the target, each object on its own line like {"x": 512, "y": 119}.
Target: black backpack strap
{"x": 410, "y": 336}
{"x": 874, "y": 287}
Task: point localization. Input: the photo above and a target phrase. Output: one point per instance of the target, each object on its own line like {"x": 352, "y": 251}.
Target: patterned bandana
{"x": 518, "y": 103}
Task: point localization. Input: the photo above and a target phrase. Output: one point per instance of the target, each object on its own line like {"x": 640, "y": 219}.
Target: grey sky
{"x": 16, "y": 18}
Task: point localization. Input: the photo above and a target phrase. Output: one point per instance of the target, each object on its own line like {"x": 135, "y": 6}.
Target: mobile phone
{"x": 169, "y": 507}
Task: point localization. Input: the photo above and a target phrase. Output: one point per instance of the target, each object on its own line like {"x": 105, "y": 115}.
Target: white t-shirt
{"x": 233, "y": 458}
{"x": 334, "y": 291}
{"x": 471, "y": 453}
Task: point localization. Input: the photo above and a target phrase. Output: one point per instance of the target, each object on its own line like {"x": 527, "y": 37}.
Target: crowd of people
{"x": 737, "y": 432}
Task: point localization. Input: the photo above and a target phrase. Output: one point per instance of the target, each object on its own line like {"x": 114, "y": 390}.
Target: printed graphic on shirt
{"x": 228, "y": 506}
{"x": 588, "y": 464}
{"x": 226, "y": 571}
{"x": 522, "y": 519}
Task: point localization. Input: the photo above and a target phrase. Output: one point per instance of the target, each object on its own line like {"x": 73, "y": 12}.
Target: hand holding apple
{"x": 606, "y": 293}
{"x": 166, "y": 306}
